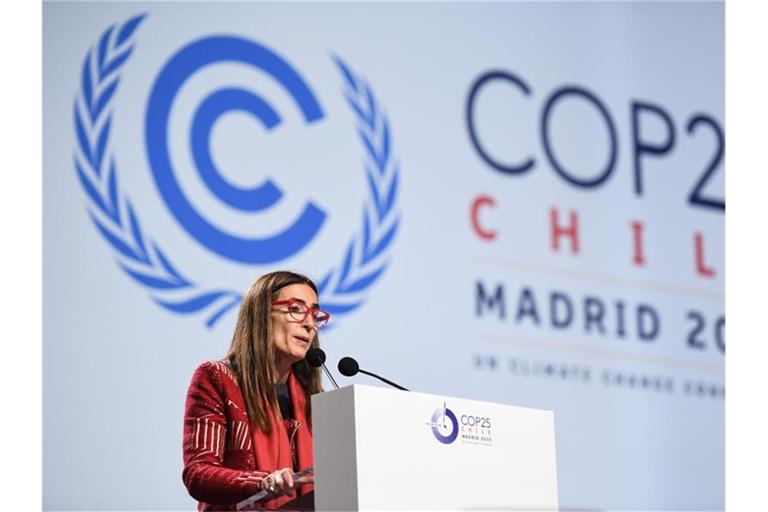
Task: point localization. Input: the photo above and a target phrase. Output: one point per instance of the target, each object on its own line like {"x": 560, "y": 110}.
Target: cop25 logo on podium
{"x": 361, "y": 263}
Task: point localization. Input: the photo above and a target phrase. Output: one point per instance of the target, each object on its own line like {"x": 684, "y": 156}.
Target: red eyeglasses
{"x": 299, "y": 311}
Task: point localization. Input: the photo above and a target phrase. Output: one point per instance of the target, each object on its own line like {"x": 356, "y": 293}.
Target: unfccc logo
{"x": 181, "y": 67}
{"x": 362, "y": 261}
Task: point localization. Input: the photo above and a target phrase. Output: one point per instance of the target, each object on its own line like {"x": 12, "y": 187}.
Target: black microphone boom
{"x": 350, "y": 367}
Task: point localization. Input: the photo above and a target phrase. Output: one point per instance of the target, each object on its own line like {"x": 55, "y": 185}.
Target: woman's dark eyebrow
{"x": 315, "y": 305}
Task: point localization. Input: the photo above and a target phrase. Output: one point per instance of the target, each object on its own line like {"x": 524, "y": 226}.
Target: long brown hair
{"x": 252, "y": 353}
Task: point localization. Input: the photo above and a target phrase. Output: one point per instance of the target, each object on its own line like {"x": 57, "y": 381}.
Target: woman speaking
{"x": 247, "y": 418}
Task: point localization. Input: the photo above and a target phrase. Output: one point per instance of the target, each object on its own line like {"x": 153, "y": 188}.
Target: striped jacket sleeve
{"x": 205, "y": 434}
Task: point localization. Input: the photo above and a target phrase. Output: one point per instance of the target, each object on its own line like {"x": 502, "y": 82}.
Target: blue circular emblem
{"x": 445, "y": 426}
{"x": 171, "y": 78}
{"x": 363, "y": 260}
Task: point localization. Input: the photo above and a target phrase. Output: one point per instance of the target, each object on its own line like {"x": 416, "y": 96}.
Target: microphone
{"x": 349, "y": 367}
{"x": 316, "y": 357}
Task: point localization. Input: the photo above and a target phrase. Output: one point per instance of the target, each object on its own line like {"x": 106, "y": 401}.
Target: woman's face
{"x": 292, "y": 338}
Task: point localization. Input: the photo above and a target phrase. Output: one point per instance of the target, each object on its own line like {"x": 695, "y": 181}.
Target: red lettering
{"x": 637, "y": 237}
{"x": 572, "y": 231}
{"x": 701, "y": 267}
{"x": 474, "y": 216}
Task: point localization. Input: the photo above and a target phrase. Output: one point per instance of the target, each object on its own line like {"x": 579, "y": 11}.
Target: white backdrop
{"x": 458, "y": 285}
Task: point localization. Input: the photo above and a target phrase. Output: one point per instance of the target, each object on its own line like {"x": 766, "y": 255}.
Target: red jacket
{"x": 224, "y": 458}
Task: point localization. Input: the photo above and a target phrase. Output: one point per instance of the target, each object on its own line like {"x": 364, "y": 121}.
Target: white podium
{"x": 381, "y": 449}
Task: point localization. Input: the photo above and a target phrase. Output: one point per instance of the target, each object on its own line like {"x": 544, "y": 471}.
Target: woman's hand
{"x": 280, "y": 482}
{"x": 303, "y": 480}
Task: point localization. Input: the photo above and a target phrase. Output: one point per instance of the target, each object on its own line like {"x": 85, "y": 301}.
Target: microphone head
{"x": 348, "y": 366}
{"x": 315, "y": 357}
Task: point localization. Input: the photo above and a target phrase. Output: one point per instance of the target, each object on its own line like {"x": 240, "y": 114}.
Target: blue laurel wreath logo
{"x": 341, "y": 288}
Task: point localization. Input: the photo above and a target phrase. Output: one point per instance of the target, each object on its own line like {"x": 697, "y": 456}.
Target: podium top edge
{"x": 365, "y": 388}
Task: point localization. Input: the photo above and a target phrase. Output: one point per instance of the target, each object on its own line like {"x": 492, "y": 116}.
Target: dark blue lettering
{"x": 490, "y": 302}
{"x": 594, "y": 310}
{"x": 720, "y": 334}
{"x": 527, "y": 306}
{"x": 557, "y": 321}
{"x": 606, "y": 172}
{"x": 620, "y": 330}
{"x": 470, "y": 118}
{"x": 693, "y": 340}
{"x": 640, "y": 146}
{"x": 696, "y": 198}
{"x": 644, "y": 331}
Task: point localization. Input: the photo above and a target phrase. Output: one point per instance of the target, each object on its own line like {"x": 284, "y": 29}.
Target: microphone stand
{"x": 330, "y": 377}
